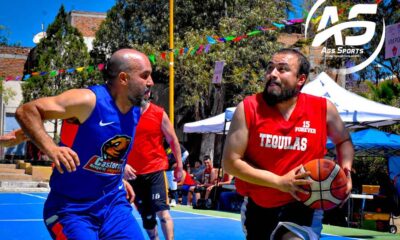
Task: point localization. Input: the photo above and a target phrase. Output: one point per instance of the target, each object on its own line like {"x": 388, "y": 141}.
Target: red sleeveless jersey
{"x": 148, "y": 154}
{"x": 278, "y": 145}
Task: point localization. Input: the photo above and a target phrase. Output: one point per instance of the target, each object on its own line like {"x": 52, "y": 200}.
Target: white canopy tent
{"x": 211, "y": 125}
{"x": 355, "y": 111}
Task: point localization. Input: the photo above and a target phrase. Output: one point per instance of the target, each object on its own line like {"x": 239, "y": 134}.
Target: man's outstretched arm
{"x": 76, "y": 103}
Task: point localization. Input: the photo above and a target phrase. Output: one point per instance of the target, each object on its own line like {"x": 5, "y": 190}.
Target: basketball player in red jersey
{"x": 146, "y": 165}
{"x": 271, "y": 135}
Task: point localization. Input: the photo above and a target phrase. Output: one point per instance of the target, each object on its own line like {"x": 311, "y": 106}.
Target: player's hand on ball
{"x": 65, "y": 156}
{"x": 291, "y": 182}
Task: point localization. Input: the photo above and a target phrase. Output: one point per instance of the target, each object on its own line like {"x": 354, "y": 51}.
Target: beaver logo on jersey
{"x": 112, "y": 154}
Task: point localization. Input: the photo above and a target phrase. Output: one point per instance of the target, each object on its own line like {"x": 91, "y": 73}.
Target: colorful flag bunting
{"x": 200, "y": 49}
{"x": 287, "y": 22}
{"x": 152, "y": 59}
{"x": 90, "y": 69}
{"x": 254, "y": 33}
{"x": 163, "y": 55}
{"x": 100, "y": 66}
{"x": 278, "y": 25}
{"x": 297, "y": 20}
{"x": 207, "y": 48}
{"x": 53, "y": 73}
{"x": 229, "y": 38}
{"x": 237, "y": 39}
{"x": 211, "y": 40}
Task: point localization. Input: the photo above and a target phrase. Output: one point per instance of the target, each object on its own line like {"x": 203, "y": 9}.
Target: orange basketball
{"x": 328, "y": 187}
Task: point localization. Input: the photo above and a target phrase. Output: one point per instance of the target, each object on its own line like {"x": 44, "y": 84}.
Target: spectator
{"x": 188, "y": 187}
{"x": 198, "y": 171}
{"x": 172, "y": 184}
{"x": 213, "y": 191}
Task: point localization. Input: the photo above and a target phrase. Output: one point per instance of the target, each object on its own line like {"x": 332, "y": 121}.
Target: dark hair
{"x": 206, "y": 157}
{"x": 304, "y": 64}
{"x": 198, "y": 160}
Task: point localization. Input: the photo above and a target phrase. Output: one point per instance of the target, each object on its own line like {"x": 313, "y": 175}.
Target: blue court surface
{"x": 21, "y": 218}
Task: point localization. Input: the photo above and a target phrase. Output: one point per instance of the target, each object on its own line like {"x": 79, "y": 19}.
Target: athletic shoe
{"x": 173, "y": 203}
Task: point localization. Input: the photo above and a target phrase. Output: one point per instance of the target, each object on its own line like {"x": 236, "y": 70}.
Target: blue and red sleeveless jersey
{"x": 102, "y": 143}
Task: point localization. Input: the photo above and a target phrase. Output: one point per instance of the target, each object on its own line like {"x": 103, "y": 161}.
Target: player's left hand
{"x": 178, "y": 173}
{"x": 130, "y": 194}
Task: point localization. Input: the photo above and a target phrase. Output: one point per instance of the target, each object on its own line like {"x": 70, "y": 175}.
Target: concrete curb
{"x": 25, "y": 190}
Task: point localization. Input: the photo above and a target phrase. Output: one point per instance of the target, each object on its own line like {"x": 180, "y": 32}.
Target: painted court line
{"x": 19, "y": 204}
{"x": 33, "y": 195}
{"x": 210, "y": 216}
{"x": 201, "y": 214}
{"x": 21, "y": 220}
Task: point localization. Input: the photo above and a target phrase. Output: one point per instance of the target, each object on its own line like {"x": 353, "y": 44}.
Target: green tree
{"x": 3, "y": 36}
{"x": 62, "y": 48}
{"x": 386, "y": 92}
{"x": 143, "y": 25}
{"x": 390, "y": 12}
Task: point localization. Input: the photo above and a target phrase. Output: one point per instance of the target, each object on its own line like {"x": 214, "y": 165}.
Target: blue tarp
{"x": 372, "y": 142}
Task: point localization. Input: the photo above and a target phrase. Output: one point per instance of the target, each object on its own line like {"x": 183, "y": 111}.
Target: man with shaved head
{"x": 87, "y": 198}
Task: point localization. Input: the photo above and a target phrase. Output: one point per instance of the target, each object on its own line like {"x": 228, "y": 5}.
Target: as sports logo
{"x": 348, "y": 46}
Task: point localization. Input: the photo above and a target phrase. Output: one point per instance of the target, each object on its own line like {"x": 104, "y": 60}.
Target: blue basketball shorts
{"x": 113, "y": 221}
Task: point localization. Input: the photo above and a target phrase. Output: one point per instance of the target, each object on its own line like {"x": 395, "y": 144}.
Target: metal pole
{"x": 171, "y": 61}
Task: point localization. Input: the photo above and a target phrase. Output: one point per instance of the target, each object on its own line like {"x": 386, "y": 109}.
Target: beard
{"x": 137, "y": 102}
{"x": 272, "y": 98}
{"x": 138, "y": 97}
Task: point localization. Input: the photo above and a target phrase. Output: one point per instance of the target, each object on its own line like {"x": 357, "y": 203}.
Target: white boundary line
{"x": 21, "y": 220}
{"x": 326, "y": 234}
{"x": 202, "y": 214}
{"x": 19, "y": 204}
{"x": 33, "y": 195}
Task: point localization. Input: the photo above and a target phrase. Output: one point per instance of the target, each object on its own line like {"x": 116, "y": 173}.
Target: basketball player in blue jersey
{"x": 87, "y": 198}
